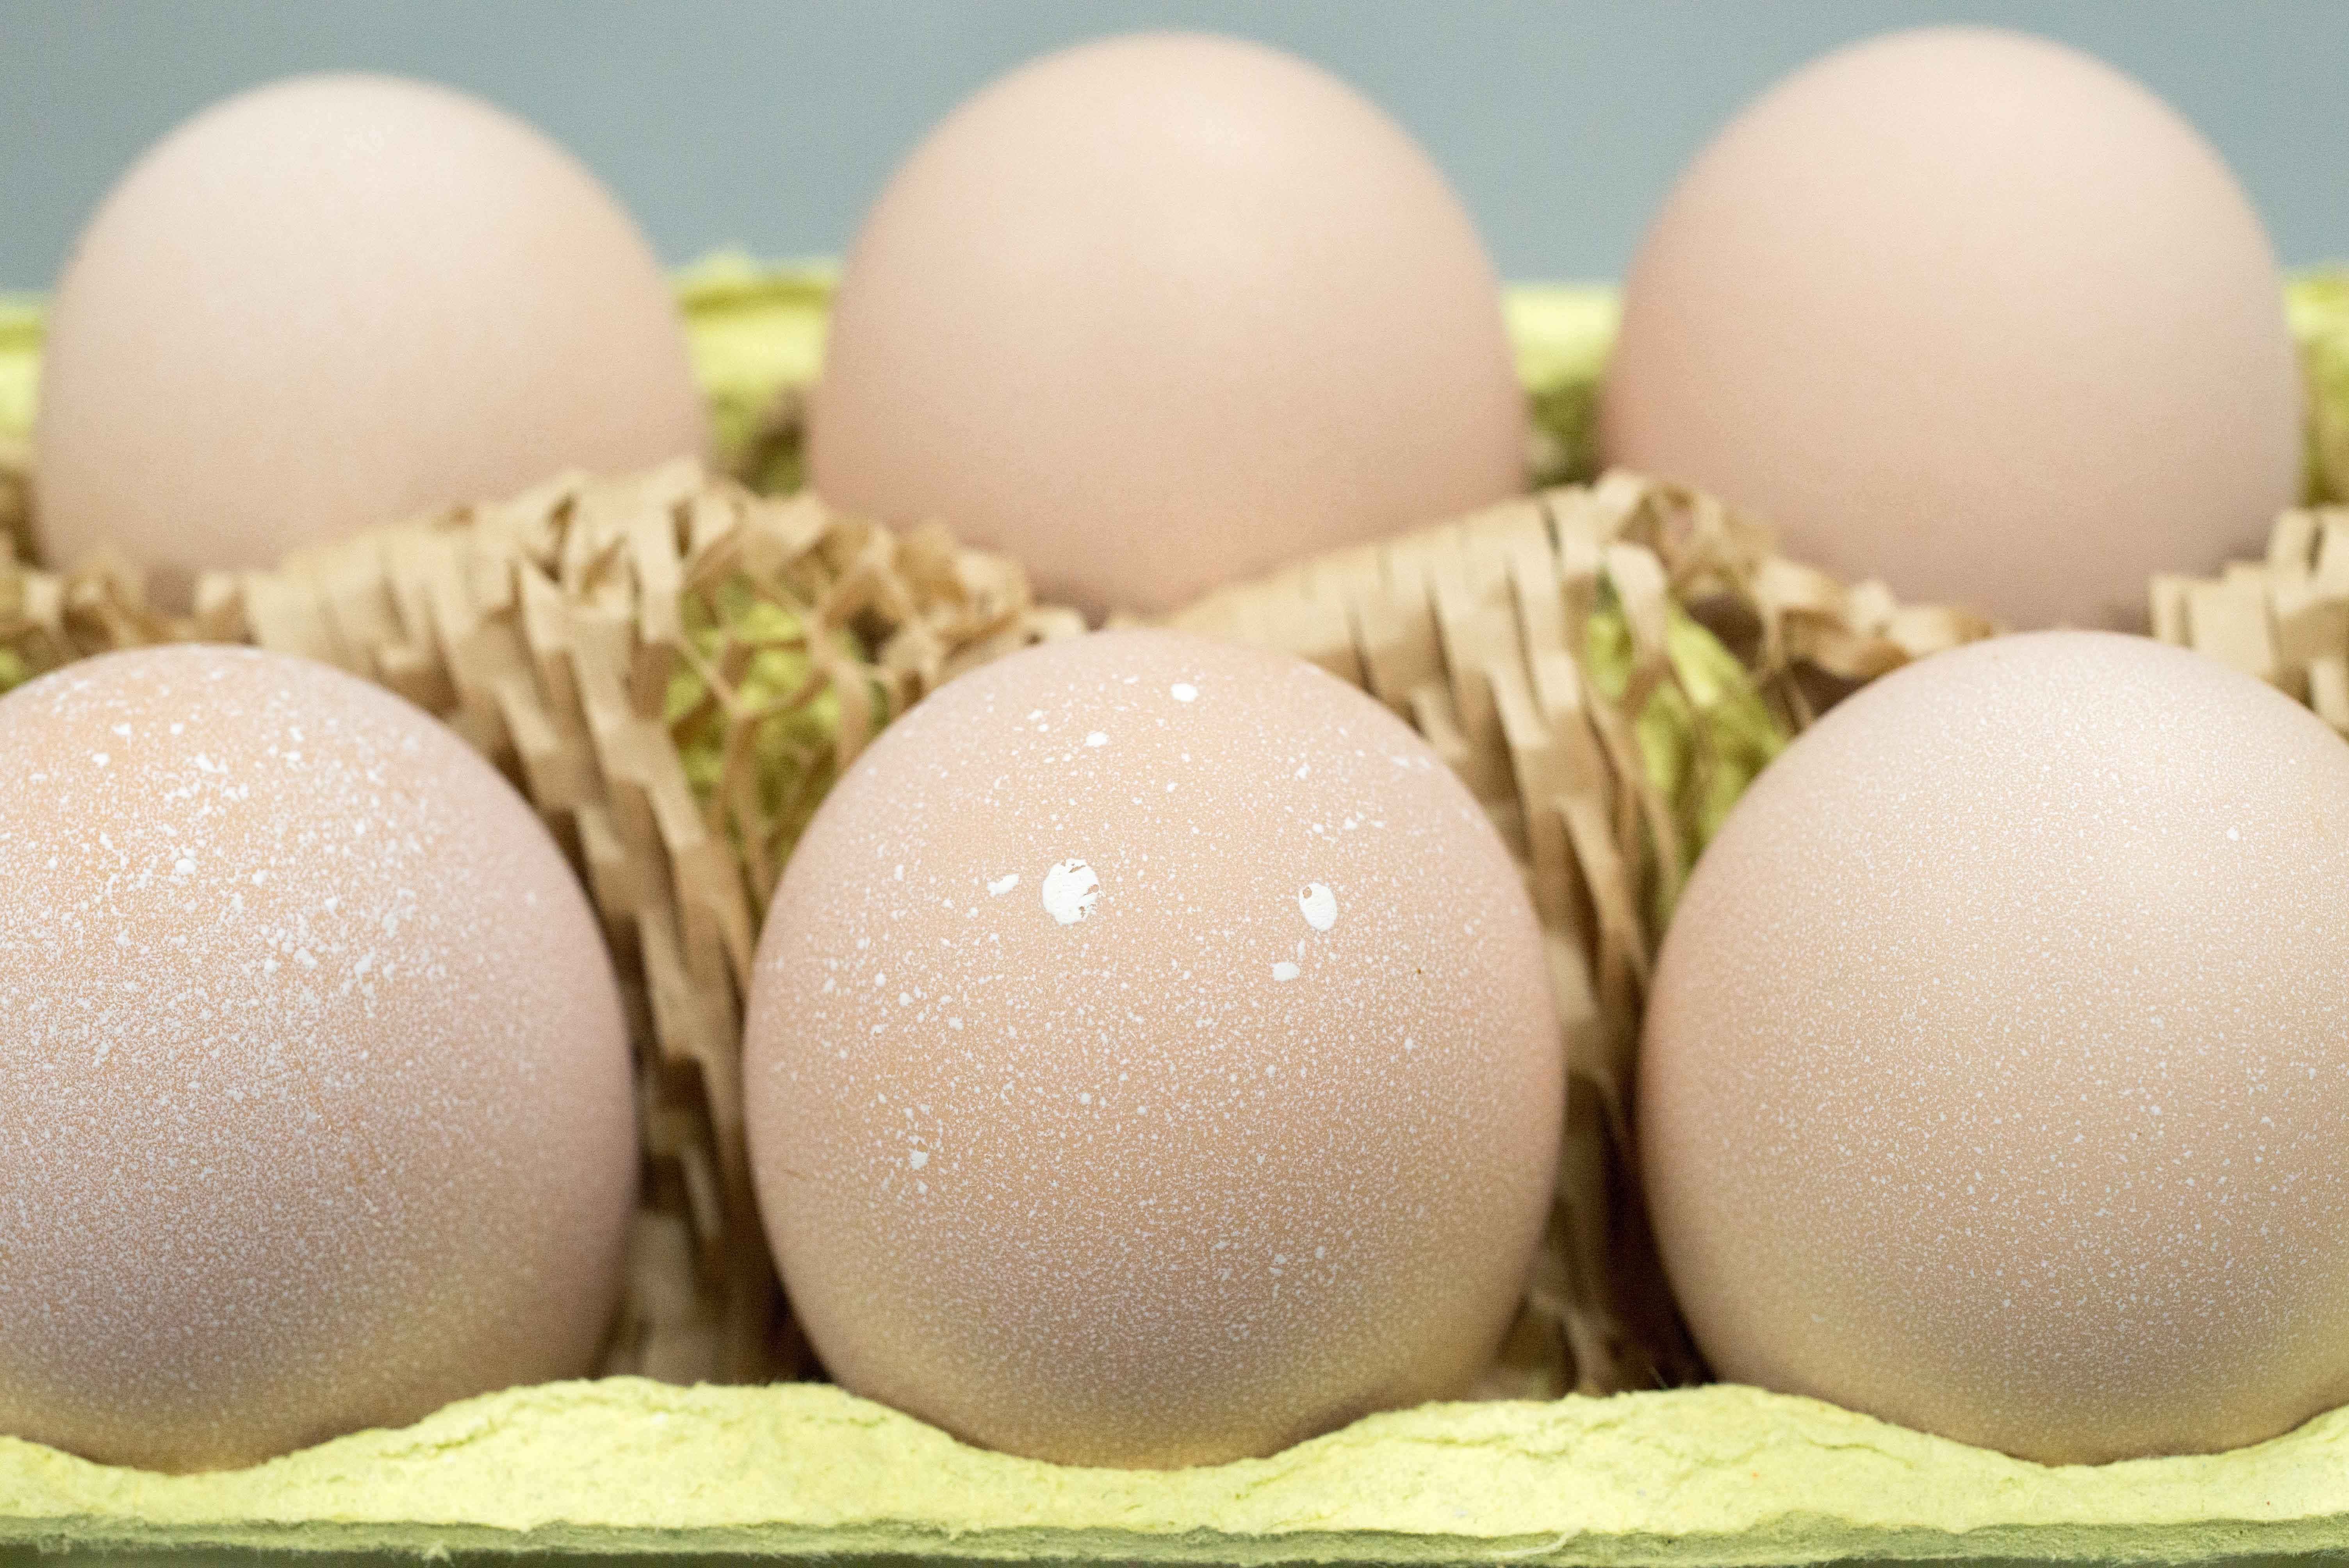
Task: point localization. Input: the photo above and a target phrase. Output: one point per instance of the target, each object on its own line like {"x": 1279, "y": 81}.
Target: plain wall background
{"x": 768, "y": 125}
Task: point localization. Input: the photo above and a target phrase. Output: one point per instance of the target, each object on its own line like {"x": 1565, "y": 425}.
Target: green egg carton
{"x": 629, "y": 1470}
{"x": 626, "y": 1469}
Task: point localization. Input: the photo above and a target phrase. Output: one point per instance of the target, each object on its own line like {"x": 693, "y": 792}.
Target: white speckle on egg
{"x": 1071, "y": 892}
{"x": 1004, "y": 883}
{"x": 1318, "y": 905}
{"x": 1285, "y": 971}
{"x": 1184, "y": 691}
{"x": 1097, "y": 739}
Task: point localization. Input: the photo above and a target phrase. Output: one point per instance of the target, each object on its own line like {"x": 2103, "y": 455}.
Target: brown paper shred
{"x": 673, "y": 669}
{"x": 1548, "y": 649}
{"x": 2283, "y": 619}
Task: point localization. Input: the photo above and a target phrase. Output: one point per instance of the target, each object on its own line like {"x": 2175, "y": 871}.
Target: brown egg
{"x": 1973, "y": 313}
{"x": 339, "y": 301}
{"x": 1996, "y": 1081}
{"x": 312, "y": 1065}
{"x": 1151, "y": 1060}
{"x": 1164, "y": 311}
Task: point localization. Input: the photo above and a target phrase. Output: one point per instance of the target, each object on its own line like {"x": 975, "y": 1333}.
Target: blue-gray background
{"x": 768, "y": 125}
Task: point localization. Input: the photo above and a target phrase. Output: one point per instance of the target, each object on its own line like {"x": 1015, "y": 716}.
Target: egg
{"x": 1974, "y": 314}
{"x": 1994, "y": 1081}
{"x": 312, "y": 1064}
{"x": 337, "y": 300}
{"x": 1160, "y": 312}
{"x": 1150, "y": 1060}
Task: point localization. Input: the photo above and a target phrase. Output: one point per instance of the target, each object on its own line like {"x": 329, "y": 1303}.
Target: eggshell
{"x": 1973, "y": 313}
{"x": 337, "y": 300}
{"x": 1160, "y": 312}
{"x": 1151, "y": 1060}
{"x": 312, "y": 1066}
{"x": 1994, "y": 1081}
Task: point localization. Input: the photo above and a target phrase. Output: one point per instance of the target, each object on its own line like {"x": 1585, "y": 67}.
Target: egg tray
{"x": 1630, "y": 754}
{"x": 628, "y": 1469}
{"x": 674, "y": 665}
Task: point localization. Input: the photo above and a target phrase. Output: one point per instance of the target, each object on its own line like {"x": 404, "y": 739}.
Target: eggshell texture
{"x": 1151, "y": 1060}
{"x": 1973, "y": 313}
{"x": 312, "y": 1066}
{"x": 1161, "y": 312}
{"x": 1995, "y": 1079}
{"x": 339, "y": 301}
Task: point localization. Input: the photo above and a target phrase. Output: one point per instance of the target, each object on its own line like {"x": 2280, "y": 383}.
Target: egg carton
{"x": 1693, "y": 1478}
{"x": 672, "y": 666}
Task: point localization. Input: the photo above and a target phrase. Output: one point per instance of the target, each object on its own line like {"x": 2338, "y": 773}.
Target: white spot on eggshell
{"x": 1184, "y": 691}
{"x": 1004, "y": 883}
{"x": 1071, "y": 892}
{"x": 1285, "y": 972}
{"x": 1097, "y": 739}
{"x": 1318, "y": 905}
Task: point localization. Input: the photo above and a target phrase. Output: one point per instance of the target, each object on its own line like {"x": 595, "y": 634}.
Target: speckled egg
{"x": 1151, "y": 1060}
{"x": 313, "y": 1072}
{"x": 1996, "y": 1080}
